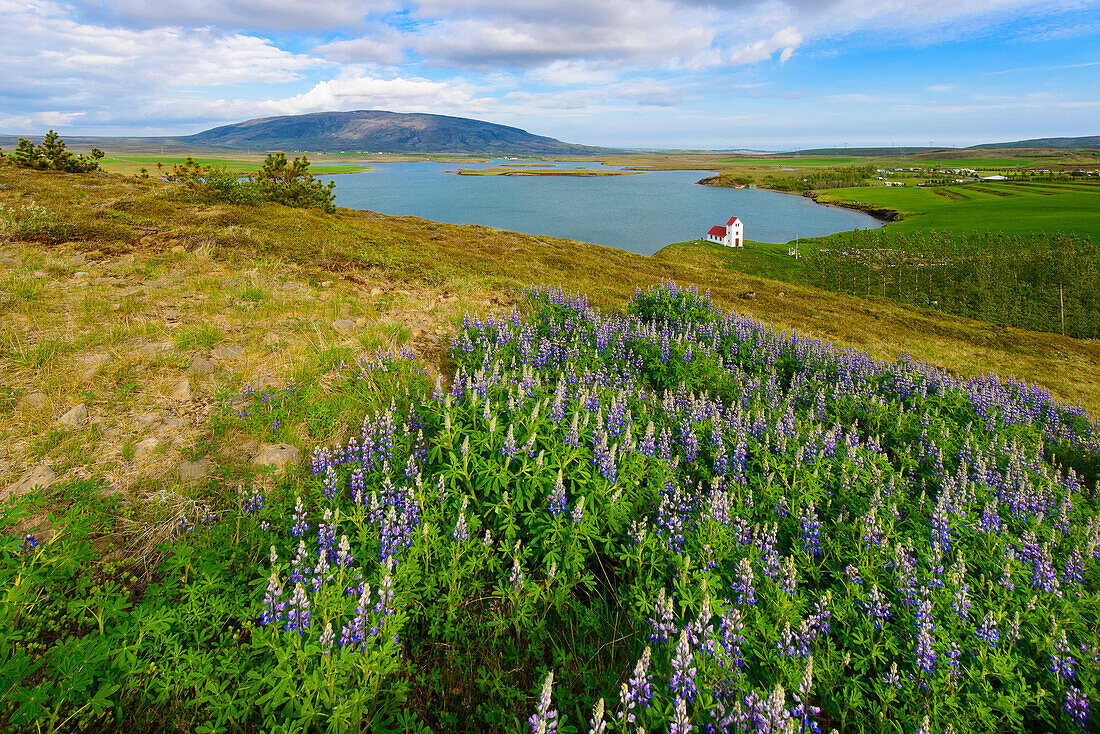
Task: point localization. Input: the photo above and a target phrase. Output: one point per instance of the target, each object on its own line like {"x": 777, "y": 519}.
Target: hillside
{"x": 386, "y": 132}
{"x": 1087, "y": 141}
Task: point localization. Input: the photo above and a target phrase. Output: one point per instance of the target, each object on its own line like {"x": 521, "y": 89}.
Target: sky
{"x": 714, "y": 74}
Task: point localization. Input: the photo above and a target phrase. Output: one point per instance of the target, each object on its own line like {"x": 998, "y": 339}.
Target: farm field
{"x": 985, "y": 206}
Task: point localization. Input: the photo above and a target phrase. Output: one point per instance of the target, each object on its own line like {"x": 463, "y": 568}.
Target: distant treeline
{"x": 1048, "y": 282}
{"x": 799, "y": 180}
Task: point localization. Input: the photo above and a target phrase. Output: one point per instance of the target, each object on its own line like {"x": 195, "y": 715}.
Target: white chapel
{"x": 731, "y": 235}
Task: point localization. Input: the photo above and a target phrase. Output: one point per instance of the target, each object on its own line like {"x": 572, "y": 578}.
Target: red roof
{"x": 717, "y": 231}
{"x": 732, "y": 220}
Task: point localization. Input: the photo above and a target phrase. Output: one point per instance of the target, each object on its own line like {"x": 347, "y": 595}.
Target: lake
{"x": 640, "y": 213}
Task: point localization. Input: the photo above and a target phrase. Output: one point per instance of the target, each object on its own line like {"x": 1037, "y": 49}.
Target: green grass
{"x": 806, "y": 161}
{"x": 132, "y": 164}
{"x": 985, "y": 206}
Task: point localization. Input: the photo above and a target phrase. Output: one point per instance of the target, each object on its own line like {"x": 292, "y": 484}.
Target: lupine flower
{"x": 682, "y": 683}
{"x": 877, "y": 606}
{"x": 661, "y": 619}
{"x": 1061, "y": 662}
{"x": 273, "y": 608}
{"x": 254, "y": 503}
{"x": 517, "y": 570}
{"x": 746, "y": 594}
{"x": 297, "y": 611}
{"x": 988, "y": 630}
{"x": 556, "y": 504}
{"x": 545, "y": 720}
{"x": 597, "y": 725}
{"x": 461, "y": 531}
{"x": 578, "y": 510}
{"x": 638, "y": 690}
{"x": 300, "y": 527}
{"x": 327, "y": 638}
{"x": 1076, "y": 704}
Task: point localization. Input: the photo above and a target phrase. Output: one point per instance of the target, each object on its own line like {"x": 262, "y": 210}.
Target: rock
{"x": 92, "y": 363}
{"x": 749, "y": 295}
{"x": 81, "y": 274}
{"x": 171, "y": 314}
{"x": 226, "y": 352}
{"x": 781, "y": 294}
{"x": 182, "y": 391}
{"x": 75, "y": 417}
{"x": 279, "y": 455}
{"x": 34, "y": 400}
{"x": 10, "y": 261}
{"x": 146, "y": 447}
{"x": 154, "y": 350}
{"x": 173, "y": 423}
{"x": 145, "y": 420}
{"x": 40, "y": 476}
{"x": 375, "y": 292}
{"x": 200, "y": 366}
{"x": 178, "y": 249}
{"x": 78, "y": 259}
{"x": 193, "y": 470}
{"x": 344, "y": 327}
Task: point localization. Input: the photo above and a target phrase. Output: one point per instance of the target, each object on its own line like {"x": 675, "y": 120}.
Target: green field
{"x": 807, "y": 161}
{"x": 132, "y": 164}
{"x": 984, "y": 206}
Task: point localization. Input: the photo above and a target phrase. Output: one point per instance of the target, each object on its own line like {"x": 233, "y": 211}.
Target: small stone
{"x": 39, "y": 274}
{"x": 749, "y": 295}
{"x": 344, "y": 327}
{"x": 178, "y": 249}
{"x": 40, "y": 476}
{"x": 781, "y": 294}
{"x": 172, "y": 423}
{"x": 375, "y": 292}
{"x": 78, "y": 259}
{"x": 145, "y": 420}
{"x": 75, "y": 417}
{"x": 226, "y": 352}
{"x": 81, "y": 274}
{"x": 146, "y": 447}
{"x": 193, "y": 470}
{"x": 34, "y": 400}
{"x": 92, "y": 363}
{"x": 171, "y": 314}
{"x": 182, "y": 391}
{"x": 154, "y": 350}
{"x": 200, "y": 366}
{"x": 279, "y": 455}
{"x": 326, "y": 283}
{"x": 9, "y": 260}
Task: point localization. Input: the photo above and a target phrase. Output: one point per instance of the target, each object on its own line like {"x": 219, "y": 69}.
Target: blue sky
{"x": 764, "y": 74}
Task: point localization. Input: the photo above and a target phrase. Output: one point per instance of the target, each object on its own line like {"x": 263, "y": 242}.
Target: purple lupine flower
{"x": 300, "y": 527}
{"x": 892, "y": 678}
{"x": 1061, "y": 662}
{"x": 556, "y": 503}
{"x": 682, "y": 683}
{"x": 746, "y": 594}
{"x": 789, "y": 580}
{"x": 853, "y": 574}
{"x": 517, "y": 570}
{"x": 253, "y": 504}
{"x": 988, "y": 630}
{"x": 578, "y": 510}
{"x": 877, "y": 606}
{"x": 924, "y": 727}
{"x": 461, "y": 531}
{"x": 597, "y": 725}
{"x": 802, "y": 711}
{"x": 509, "y": 447}
{"x": 638, "y": 690}
{"x": 730, "y": 639}
{"x": 953, "y": 653}
{"x": 811, "y": 531}
{"x": 327, "y": 638}
{"x": 1076, "y": 704}
{"x": 330, "y": 482}
{"x": 273, "y": 608}
{"x": 297, "y": 614}
{"x": 926, "y": 655}
{"x": 662, "y": 617}
{"x": 545, "y": 720}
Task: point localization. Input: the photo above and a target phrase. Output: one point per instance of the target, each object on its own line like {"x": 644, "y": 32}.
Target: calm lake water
{"x": 639, "y": 213}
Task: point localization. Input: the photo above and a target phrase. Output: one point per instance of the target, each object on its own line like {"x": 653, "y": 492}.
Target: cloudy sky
{"x": 768, "y": 74}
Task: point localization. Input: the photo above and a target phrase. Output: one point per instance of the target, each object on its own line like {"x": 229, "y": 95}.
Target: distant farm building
{"x": 731, "y": 235}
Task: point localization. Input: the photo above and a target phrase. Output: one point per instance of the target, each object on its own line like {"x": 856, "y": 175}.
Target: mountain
{"x": 1088, "y": 141}
{"x": 387, "y": 132}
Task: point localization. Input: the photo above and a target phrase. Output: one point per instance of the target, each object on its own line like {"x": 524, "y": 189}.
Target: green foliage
{"x": 291, "y": 184}
{"x": 280, "y": 181}
{"x": 1040, "y": 282}
{"x": 52, "y": 155}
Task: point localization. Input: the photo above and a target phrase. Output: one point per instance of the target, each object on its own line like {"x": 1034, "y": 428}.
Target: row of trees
{"x": 1045, "y": 282}
{"x": 52, "y": 155}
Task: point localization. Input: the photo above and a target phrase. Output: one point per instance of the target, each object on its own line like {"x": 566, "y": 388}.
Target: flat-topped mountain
{"x": 376, "y": 131}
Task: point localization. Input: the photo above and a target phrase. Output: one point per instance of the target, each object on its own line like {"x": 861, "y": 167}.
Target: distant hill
{"x": 375, "y": 131}
{"x": 1088, "y": 141}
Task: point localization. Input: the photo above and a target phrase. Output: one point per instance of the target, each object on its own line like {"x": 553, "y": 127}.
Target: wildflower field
{"x": 663, "y": 519}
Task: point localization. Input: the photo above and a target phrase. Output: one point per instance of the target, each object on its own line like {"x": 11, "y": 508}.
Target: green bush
{"x": 52, "y": 155}
{"x": 278, "y": 180}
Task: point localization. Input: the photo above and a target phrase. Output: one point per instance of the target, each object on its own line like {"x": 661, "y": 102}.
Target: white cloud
{"x": 281, "y": 15}
{"x": 383, "y": 47}
{"x": 785, "y": 39}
